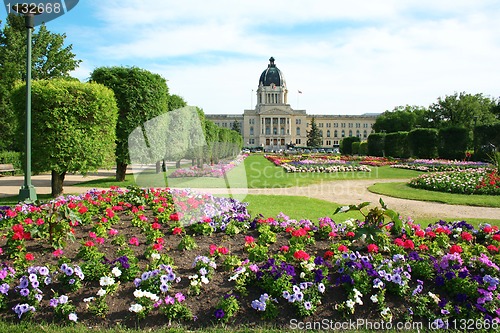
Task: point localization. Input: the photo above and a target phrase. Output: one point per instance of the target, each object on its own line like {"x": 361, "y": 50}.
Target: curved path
{"x": 343, "y": 192}
{"x": 351, "y": 192}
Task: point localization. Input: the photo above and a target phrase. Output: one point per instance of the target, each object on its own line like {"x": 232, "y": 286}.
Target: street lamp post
{"x": 27, "y": 191}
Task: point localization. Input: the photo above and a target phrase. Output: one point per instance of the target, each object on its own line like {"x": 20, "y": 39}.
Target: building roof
{"x": 272, "y": 75}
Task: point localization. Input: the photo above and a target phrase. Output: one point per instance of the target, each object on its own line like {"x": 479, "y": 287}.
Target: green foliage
{"x": 50, "y": 59}
{"x": 453, "y": 143}
{"x": 396, "y": 145}
{"x": 376, "y": 144}
{"x": 346, "y": 144}
{"x": 72, "y": 125}
{"x": 486, "y": 140}
{"x": 375, "y": 221}
{"x": 363, "y": 148}
{"x": 187, "y": 243}
{"x": 229, "y": 305}
{"x": 401, "y": 118}
{"x": 314, "y": 138}
{"x": 11, "y": 157}
{"x": 140, "y": 96}
{"x": 423, "y": 143}
{"x": 355, "y": 148}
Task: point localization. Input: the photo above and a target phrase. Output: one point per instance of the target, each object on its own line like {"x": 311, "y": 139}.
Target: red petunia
{"x": 174, "y": 217}
{"x": 420, "y": 233}
{"x": 350, "y": 234}
{"x": 456, "y": 249}
{"x": 466, "y": 236}
{"x": 156, "y": 226}
{"x": 343, "y": 248}
{"x": 29, "y": 257}
{"x": 496, "y": 237}
{"x": 408, "y": 244}
{"x": 301, "y": 255}
{"x": 249, "y": 240}
{"x": 423, "y": 247}
{"x": 328, "y": 255}
{"x": 284, "y": 248}
{"x": 134, "y": 241}
{"x": 492, "y": 248}
{"x": 373, "y": 248}
{"x": 223, "y": 250}
{"x": 177, "y": 231}
{"x": 89, "y": 243}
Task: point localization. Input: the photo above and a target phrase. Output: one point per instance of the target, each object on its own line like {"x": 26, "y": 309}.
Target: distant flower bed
{"x": 468, "y": 181}
{"x": 321, "y": 164}
{"x": 439, "y": 165}
{"x": 217, "y": 170}
{"x": 129, "y": 256}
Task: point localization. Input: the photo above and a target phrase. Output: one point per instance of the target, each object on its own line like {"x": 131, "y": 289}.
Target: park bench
{"x": 4, "y": 168}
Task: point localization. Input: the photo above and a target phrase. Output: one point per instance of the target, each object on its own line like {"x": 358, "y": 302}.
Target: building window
{"x": 297, "y": 131}
{"x": 365, "y": 125}
{"x": 297, "y": 141}
{"x": 298, "y": 121}
{"x": 335, "y": 134}
{"x": 350, "y": 125}
{"x": 350, "y": 132}
{"x": 364, "y": 134}
{"x": 251, "y": 141}
{"x": 268, "y": 130}
{"x": 328, "y": 142}
{"x": 328, "y": 124}
{"x": 343, "y": 133}
{"x": 358, "y": 125}
{"x": 328, "y": 133}
{"x": 321, "y": 133}
{"x": 336, "y": 125}
{"x": 320, "y": 125}
{"x": 275, "y": 131}
{"x": 251, "y": 130}
{"x": 335, "y": 142}
{"x": 358, "y": 134}
{"x": 342, "y": 125}
{"x": 282, "y": 131}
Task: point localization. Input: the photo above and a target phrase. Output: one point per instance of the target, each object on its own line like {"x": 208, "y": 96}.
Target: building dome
{"x": 272, "y": 75}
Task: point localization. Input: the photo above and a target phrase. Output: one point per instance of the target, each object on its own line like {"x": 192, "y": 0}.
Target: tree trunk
{"x": 193, "y": 162}
{"x": 158, "y": 167}
{"x": 121, "y": 171}
{"x": 57, "y": 183}
{"x": 178, "y": 164}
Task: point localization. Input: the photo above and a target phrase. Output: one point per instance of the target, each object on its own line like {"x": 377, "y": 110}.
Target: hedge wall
{"x": 346, "y": 144}
{"x": 376, "y": 144}
{"x": 484, "y": 137}
{"x": 423, "y": 143}
{"x": 396, "y": 145}
{"x": 453, "y": 143}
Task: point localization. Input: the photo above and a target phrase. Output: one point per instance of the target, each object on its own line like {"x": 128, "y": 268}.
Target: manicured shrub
{"x": 355, "y": 147}
{"x": 376, "y": 144}
{"x": 423, "y": 142}
{"x": 486, "y": 139}
{"x": 346, "y": 144}
{"x": 452, "y": 143}
{"x": 363, "y": 148}
{"x": 396, "y": 144}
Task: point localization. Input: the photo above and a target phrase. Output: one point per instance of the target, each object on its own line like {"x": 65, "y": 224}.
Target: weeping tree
{"x": 140, "y": 96}
{"x": 73, "y": 127}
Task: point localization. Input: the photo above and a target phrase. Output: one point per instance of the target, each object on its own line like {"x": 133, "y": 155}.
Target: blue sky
{"x": 347, "y": 57}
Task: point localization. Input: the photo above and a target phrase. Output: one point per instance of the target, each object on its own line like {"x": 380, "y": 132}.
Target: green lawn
{"x": 402, "y": 190}
{"x": 306, "y": 208}
{"x": 255, "y": 172}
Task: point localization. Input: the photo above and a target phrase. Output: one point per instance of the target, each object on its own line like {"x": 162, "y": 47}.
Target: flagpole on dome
{"x": 298, "y": 94}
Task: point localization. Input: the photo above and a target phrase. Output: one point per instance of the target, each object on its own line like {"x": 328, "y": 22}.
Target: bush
{"x": 423, "y": 143}
{"x": 396, "y": 145}
{"x": 346, "y": 144}
{"x": 11, "y": 157}
{"x": 355, "y": 147}
{"x": 376, "y": 144}
{"x": 363, "y": 148}
{"x": 452, "y": 143}
{"x": 486, "y": 139}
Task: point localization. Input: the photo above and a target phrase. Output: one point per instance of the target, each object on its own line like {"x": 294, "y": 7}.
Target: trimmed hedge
{"x": 355, "y": 147}
{"x": 396, "y": 145}
{"x": 363, "y": 148}
{"x": 346, "y": 144}
{"x": 453, "y": 143}
{"x": 376, "y": 144}
{"x": 423, "y": 142}
{"x": 484, "y": 137}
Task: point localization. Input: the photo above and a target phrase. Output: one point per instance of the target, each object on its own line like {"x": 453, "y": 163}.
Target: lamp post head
{"x": 28, "y": 10}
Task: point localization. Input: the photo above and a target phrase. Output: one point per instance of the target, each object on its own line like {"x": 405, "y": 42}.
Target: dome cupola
{"x": 272, "y": 76}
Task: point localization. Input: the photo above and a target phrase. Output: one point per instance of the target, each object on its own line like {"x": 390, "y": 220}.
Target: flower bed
{"x": 135, "y": 260}
{"x": 321, "y": 164}
{"x": 217, "y": 170}
{"x": 439, "y": 165}
{"x": 469, "y": 181}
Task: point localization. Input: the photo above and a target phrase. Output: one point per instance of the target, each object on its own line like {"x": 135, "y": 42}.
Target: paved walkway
{"x": 342, "y": 192}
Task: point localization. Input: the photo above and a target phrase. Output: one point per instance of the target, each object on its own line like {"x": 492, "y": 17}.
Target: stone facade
{"x": 273, "y": 124}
